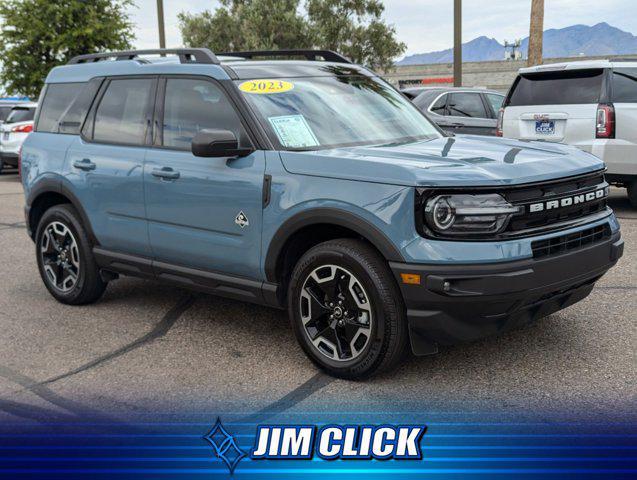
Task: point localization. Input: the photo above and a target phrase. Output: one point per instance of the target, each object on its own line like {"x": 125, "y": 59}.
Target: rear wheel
{"x": 65, "y": 257}
{"x": 632, "y": 193}
{"x": 1, "y": 166}
{"x": 346, "y": 309}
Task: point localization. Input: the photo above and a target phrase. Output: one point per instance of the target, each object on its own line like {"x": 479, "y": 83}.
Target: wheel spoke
{"x": 348, "y": 297}
{"x": 342, "y": 344}
{"x": 336, "y": 312}
{"x": 59, "y": 275}
{"x": 321, "y": 333}
{"x": 317, "y": 306}
{"x": 54, "y": 241}
{"x": 60, "y": 256}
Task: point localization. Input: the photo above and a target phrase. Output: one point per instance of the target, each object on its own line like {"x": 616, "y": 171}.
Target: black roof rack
{"x": 186, "y": 55}
{"x": 315, "y": 55}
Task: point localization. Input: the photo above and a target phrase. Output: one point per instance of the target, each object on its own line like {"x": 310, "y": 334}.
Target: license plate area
{"x": 545, "y": 127}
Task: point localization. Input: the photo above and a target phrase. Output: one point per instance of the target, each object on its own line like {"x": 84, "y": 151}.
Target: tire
{"x": 632, "y": 193}
{"x": 367, "y": 334}
{"x": 65, "y": 257}
{"x": 1, "y": 166}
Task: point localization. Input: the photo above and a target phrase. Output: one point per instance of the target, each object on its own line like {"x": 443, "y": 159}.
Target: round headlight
{"x": 459, "y": 214}
{"x": 442, "y": 214}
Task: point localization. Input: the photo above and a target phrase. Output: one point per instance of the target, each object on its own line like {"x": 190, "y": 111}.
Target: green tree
{"x": 247, "y": 25}
{"x": 354, "y": 28}
{"x": 37, "y": 35}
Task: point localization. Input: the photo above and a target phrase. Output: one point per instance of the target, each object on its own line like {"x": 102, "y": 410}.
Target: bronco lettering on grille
{"x": 569, "y": 201}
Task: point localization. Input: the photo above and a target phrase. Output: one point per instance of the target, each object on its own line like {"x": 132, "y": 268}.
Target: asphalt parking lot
{"x": 146, "y": 346}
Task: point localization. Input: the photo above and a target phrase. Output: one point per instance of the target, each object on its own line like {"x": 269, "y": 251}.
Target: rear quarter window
{"x": 557, "y": 88}
{"x": 64, "y": 106}
{"x": 624, "y": 85}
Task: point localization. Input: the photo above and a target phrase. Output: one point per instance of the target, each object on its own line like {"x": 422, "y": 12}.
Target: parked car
{"x": 459, "y": 110}
{"x": 15, "y": 129}
{"x": 590, "y": 104}
{"x": 310, "y": 185}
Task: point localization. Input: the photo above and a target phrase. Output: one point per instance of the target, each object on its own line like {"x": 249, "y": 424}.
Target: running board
{"x": 239, "y": 288}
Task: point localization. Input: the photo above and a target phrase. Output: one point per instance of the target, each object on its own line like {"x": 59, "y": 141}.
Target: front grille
{"x": 566, "y": 203}
{"x": 570, "y": 242}
{"x": 529, "y": 221}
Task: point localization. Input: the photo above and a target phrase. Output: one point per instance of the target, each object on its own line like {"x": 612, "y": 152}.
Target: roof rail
{"x": 314, "y": 55}
{"x": 186, "y": 55}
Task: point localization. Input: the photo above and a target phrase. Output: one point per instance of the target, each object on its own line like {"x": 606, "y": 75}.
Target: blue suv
{"x": 308, "y": 184}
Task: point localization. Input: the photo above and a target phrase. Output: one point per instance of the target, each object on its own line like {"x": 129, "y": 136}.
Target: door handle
{"x": 84, "y": 164}
{"x": 166, "y": 173}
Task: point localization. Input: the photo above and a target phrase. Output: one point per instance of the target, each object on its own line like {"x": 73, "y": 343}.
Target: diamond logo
{"x": 241, "y": 219}
{"x": 225, "y": 446}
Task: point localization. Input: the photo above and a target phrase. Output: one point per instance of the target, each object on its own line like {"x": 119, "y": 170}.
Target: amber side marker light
{"x": 410, "y": 278}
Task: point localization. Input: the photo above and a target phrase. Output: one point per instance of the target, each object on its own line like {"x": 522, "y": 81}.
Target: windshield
{"x": 336, "y": 111}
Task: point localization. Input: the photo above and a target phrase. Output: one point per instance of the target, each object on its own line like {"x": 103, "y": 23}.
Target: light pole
{"x": 457, "y": 43}
{"x": 536, "y": 32}
{"x": 160, "y": 20}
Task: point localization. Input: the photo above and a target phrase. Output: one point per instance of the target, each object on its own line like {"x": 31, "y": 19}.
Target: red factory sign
{"x": 429, "y": 81}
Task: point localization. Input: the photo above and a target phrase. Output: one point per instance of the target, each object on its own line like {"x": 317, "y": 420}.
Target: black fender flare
{"x": 333, "y": 216}
{"x": 56, "y": 185}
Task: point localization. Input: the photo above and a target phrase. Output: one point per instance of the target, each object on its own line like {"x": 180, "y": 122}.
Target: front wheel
{"x": 346, "y": 310}
{"x": 65, "y": 257}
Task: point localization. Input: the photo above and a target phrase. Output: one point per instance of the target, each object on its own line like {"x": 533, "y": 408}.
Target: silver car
{"x": 13, "y": 132}
{"x": 459, "y": 110}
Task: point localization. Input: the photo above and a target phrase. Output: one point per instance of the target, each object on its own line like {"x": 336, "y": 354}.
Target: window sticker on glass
{"x": 293, "y": 131}
{"x": 265, "y": 86}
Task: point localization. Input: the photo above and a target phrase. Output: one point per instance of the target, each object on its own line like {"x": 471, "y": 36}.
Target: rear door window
{"x": 123, "y": 112}
{"x": 558, "y": 88}
{"x": 466, "y": 105}
{"x": 21, "y": 114}
{"x": 624, "y": 85}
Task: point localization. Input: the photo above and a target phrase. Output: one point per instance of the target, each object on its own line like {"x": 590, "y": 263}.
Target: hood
{"x": 464, "y": 160}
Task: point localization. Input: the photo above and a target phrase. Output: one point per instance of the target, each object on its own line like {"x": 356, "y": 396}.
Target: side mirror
{"x": 217, "y": 143}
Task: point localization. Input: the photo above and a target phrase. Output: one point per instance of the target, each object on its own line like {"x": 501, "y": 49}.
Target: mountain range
{"x": 573, "y": 41}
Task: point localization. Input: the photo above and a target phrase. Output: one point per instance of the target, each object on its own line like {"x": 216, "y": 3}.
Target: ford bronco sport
{"x": 308, "y": 184}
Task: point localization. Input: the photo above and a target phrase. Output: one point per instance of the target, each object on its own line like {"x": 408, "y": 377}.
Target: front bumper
{"x": 458, "y": 303}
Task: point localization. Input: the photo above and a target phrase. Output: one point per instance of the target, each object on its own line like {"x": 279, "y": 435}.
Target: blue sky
{"x": 427, "y": 25}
